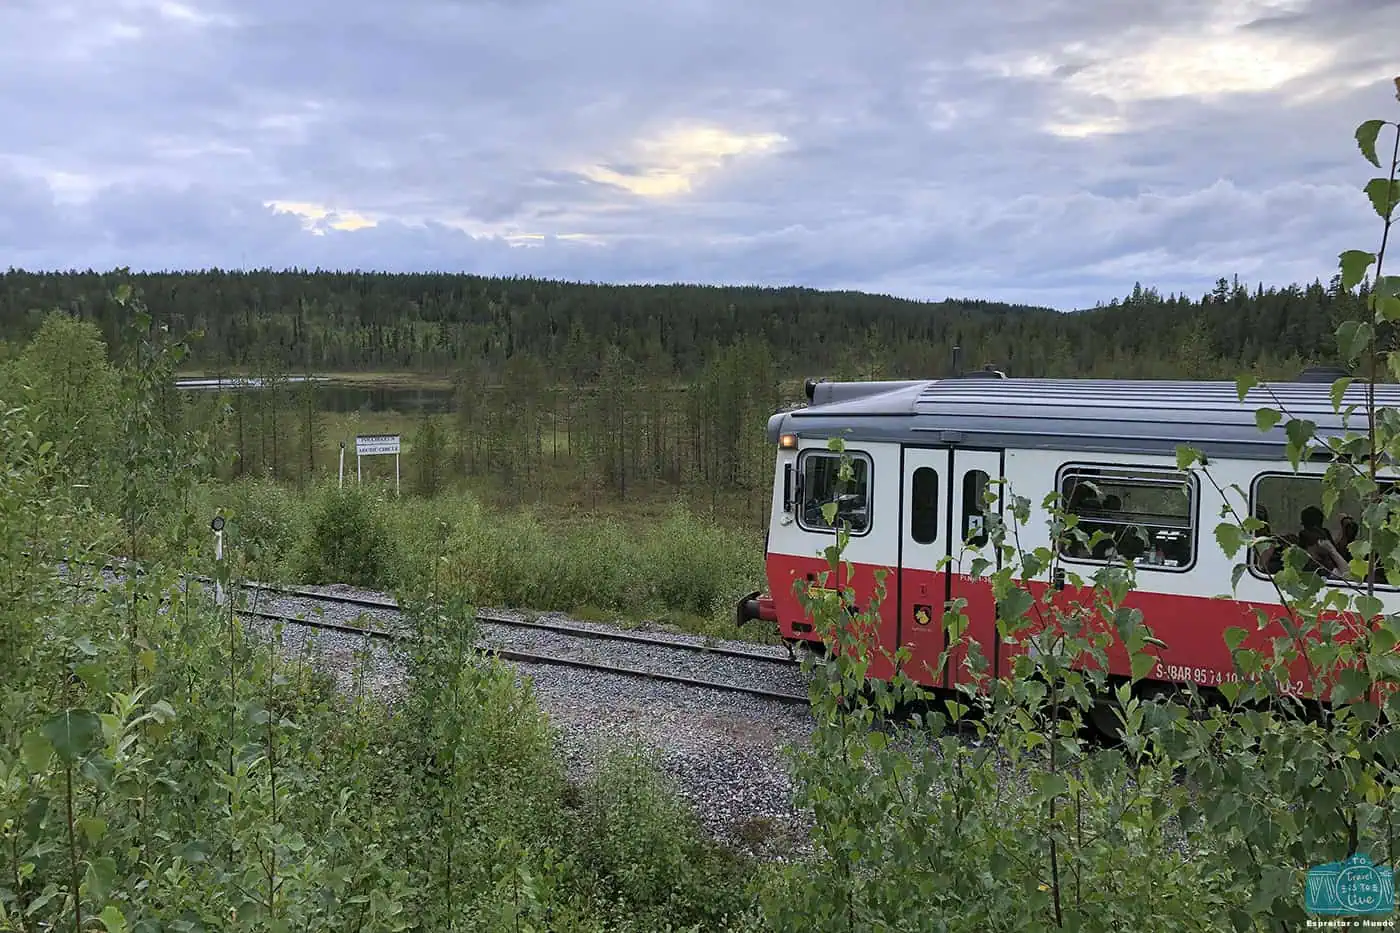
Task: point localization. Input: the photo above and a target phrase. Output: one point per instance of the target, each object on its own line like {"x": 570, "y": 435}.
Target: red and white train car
{"x": 924, "y": 451}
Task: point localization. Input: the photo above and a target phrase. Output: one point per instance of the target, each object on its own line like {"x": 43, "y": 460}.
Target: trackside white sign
{"x": 376, "y": 444}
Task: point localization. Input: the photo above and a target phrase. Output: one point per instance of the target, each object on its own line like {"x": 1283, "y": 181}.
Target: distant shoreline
{"x": 406, "y": 379}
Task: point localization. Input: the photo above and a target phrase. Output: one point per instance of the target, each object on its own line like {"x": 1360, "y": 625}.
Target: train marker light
{"x": 787, "y": 441}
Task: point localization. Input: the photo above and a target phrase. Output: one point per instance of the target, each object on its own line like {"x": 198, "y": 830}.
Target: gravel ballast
{"x": 723, "y": 751}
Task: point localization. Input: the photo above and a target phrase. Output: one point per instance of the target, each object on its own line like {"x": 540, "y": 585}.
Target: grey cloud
{"x": 908, "y": 163}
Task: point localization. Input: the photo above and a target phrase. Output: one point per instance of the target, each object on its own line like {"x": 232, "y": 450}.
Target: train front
{"x": 759, "y": 605}
{"x": 828, "y": 413}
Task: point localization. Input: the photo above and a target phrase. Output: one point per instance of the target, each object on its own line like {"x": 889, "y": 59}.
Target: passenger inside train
{"x": 1328, "y": 555}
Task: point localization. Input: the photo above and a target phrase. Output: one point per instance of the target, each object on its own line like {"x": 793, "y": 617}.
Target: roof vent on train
{"x": 988, "y": 370}
{"x": 1322, "y": 374}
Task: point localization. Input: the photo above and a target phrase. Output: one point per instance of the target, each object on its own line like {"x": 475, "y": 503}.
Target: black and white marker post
{"x": 218, "y": 526}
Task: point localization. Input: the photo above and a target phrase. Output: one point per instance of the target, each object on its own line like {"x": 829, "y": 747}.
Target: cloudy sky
{"x": 1049, "y": 151}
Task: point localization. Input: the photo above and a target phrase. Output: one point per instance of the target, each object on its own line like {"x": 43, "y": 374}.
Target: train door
{"x": 969, "y": 481}
{"x": 923, "y": 581}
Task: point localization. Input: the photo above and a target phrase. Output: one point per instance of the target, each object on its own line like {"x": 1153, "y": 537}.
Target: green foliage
{"x": 348, "y": 540}
{"x": 1354, "y": 263}
{"x": 429, "y": 453}
{"x": 232, "y": 786}
{"x": 647, "y": 848}
{"x": 676, "y": 567}
{"x": 679, "y": 567}
{"x": 692, "y": 566}
{"x": 1366, "y": 135}
{"x": 296, "y": 320}
{"x": 267, "y": 526}
{"x": 159, "y": 454}
{"x": 67, "y": 384}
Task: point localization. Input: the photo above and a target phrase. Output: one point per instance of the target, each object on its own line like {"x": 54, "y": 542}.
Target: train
{"x": 923, "y": 453}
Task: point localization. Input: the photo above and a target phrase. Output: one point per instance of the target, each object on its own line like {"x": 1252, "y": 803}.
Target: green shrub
{"x": 696, "y": 567}
{"x": 645, "y": 845}
{"x": 682, "y": 565}
{"x": 423, "y": 532}
{"x": 266, "y": 525}
{"x": 597, "y": 564}
{"x": 430, "y": 455}
{"x": 348, "y": 540}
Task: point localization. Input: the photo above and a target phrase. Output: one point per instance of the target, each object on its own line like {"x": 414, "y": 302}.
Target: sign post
{"x": 218, "y": 527}
{"x": 342, "y": 464}
{"x": 373, "y": 444}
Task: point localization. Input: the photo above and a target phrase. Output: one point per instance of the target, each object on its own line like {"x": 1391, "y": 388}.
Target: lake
{"x": 342, "y": 395}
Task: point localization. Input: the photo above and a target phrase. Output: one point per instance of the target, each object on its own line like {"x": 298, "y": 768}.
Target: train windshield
{"x": 822, "y": 485}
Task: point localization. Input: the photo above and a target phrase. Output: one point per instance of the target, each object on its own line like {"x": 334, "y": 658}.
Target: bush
{"x": 646, "y": 847}
{"x": 430, "y": 452}
{"x": 696, "y": 567}
{"x": 348, "y": 540}
{"x": 266, "y": 526}
{"x": 681, "y": 566}
{"x": 424, "y": 532}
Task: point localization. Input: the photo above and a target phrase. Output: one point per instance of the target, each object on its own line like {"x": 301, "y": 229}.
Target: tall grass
{"x": 677, "y": 567}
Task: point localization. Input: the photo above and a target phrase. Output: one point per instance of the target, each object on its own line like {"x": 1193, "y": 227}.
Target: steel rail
{"x": 389, "y": 605}
{"x": 528, "y": 657}
{"x": 561, "y": 628}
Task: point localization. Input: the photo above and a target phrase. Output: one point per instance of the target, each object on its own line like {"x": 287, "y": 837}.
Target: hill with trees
{"x": 297, "y": 320}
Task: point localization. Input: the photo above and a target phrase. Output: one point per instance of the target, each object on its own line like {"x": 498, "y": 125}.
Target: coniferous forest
{"x": 321, "y": 321}
{"x": 586, "y": 396}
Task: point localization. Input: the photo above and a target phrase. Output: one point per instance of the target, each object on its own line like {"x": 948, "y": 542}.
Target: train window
{"x": 923, "y": 506}
{"x": 822, "y": 485}
{"x": 1148, "y": 515}
{"x": 1291, "y": 507}
{"x": 974, "y": 527}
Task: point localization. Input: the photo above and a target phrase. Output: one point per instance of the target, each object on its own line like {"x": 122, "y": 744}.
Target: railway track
{"x": 530, "y": 657}
{"x": 497, "y": 619}
{"x": 569, "y": 637}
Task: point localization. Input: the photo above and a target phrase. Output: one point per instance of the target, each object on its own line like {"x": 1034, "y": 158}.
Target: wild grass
{"x": 664, "y": 565}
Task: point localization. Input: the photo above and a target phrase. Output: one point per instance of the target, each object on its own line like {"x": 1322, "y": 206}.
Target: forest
{"x": 579, "y": 398}
{"x": 300, "y": 321}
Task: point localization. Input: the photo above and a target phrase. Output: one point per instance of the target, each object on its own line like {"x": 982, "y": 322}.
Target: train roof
{"x": 1090, "y": 415}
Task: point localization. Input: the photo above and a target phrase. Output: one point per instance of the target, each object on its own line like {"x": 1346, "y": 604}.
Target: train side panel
{"x": 1185, "y": 593}
{"x": 1189, "y": 607}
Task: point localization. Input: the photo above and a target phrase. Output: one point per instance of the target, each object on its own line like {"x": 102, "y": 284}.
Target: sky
{"x": 1052, "y": 152}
